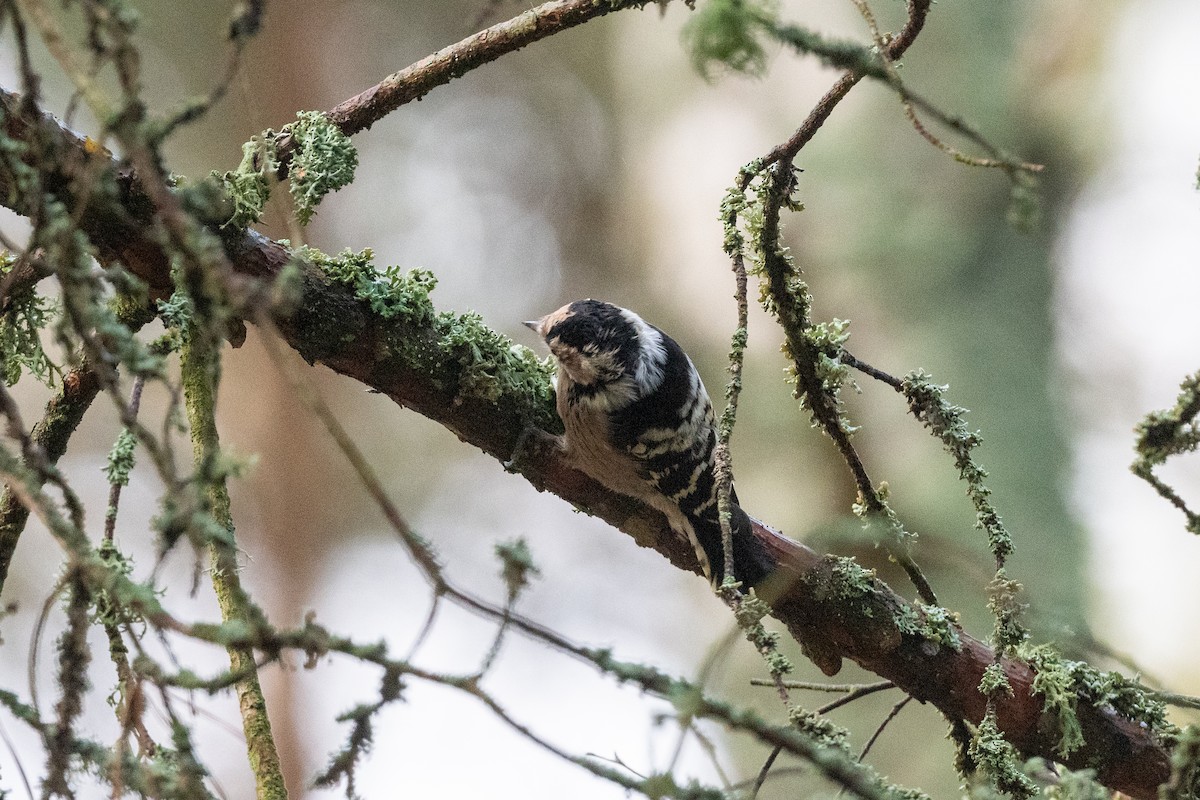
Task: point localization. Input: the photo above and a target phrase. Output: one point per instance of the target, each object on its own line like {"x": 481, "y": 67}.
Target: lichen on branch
{"x": 321, "y": 159}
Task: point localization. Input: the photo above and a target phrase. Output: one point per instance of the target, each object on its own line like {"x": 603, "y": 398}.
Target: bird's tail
{"x": 751, "y": 564}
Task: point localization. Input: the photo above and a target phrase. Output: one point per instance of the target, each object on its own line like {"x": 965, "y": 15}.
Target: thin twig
{"x": 909, "y": 100}
{"x": 779, "y": 179}
{"x": 761, "y": 778}
{"x": 1174, "y": 699}
{"x": 114, "y": 491}
{"x": 846, "y": 358}
{"x": 415, "y": 81}
{"x": 786, "y": 152}
{"x": 896, "y": 709}
{"x": 817, "y": 686}
{"x": 860, "y": 692}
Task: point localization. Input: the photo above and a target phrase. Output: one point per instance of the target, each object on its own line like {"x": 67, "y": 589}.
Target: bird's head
{"x": 603, "y": 350}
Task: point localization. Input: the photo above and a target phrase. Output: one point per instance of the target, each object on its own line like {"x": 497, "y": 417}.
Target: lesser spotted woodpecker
{"x": 639, "y": 421}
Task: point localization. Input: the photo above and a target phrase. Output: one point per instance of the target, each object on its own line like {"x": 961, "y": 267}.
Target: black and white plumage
{"x": 639, "y": 421}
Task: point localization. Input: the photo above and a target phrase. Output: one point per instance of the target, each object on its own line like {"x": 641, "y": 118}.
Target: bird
{"x": 638, "y": 419}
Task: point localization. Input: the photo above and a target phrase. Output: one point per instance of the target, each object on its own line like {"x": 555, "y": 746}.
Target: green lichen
{"x": 999, "y": 760}
{"x": 749, "y": 611}
{"x": 176, "y": 312}
{"x": 321, "y": 159}
{"x": 1056, "y": 684}
{"x": 1185, "y": 767}
{"x": 120, "y": 459}
{"x": 1006, "y": 608}
{"x": 880, "y": 521}
{"x": 851, "y": 579}
{"x": 928, "y": 403}
{"x": 1065, "y": 683}
{"x": 489, "y": 365}
{"x": 729, "y": 33}
{"x": 825, "y": 341}
{"x": 393, "y": 294}
{"x": 931, "y": 623}
{"x": 995, "y": 681}
{"x": 734, "y": 205}
{"x": 821, "y": 729}
{"x": 1080, "y": 785}
{"x": 24, "y": 314}
{"x": 324, "y": 161}
{"x": 105, "y": 609}
{"x": 492, "y": 365}
{"x": 939, "y": 625}
{"x": 517, "y": 566}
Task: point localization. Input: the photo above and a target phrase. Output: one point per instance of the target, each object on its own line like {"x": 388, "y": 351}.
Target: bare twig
{"x": 896, "y": 709}
{"x": 850, "y": 697}
{"x": 819, "y": 686}
{"x": 415, "y": 81}
{"x": 786, "y": 152}
{"x": 761, "y": 778}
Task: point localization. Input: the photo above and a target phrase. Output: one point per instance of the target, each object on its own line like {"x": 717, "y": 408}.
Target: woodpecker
{"x": 639, "y": 420}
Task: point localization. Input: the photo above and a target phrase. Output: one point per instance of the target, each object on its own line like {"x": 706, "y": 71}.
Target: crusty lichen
{"x": 851, "y": 579}
{"x": 931, "y": 623}
{"x": 392, "y": 293}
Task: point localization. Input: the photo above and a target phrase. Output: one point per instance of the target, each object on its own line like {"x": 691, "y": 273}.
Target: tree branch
{"x": 416, "y": 80}
{"x": 408, "y": 362}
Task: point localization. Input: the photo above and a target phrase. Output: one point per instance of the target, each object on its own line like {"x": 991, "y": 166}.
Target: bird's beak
{"x": 534, "y": 325}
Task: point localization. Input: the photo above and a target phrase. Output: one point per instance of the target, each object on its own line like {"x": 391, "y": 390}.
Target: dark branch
{"x": 416, "y": 80}
{"x": 786, "y": 152}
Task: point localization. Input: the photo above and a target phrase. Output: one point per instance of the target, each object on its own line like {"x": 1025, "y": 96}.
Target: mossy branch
{"x": 200, "y": 370}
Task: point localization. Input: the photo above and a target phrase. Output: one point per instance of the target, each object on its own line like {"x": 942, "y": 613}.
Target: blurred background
{"x": 592, "y": 165}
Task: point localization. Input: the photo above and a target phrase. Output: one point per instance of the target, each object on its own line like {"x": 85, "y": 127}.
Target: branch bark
{"x": 330, "y": 326}
{"x": 416, "y": 80}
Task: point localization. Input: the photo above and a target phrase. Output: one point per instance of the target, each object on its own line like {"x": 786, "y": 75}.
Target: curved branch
{"x": 786, "y": 152}
{"x": 416, "y": 80}
{"x": 407, "y": 362}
